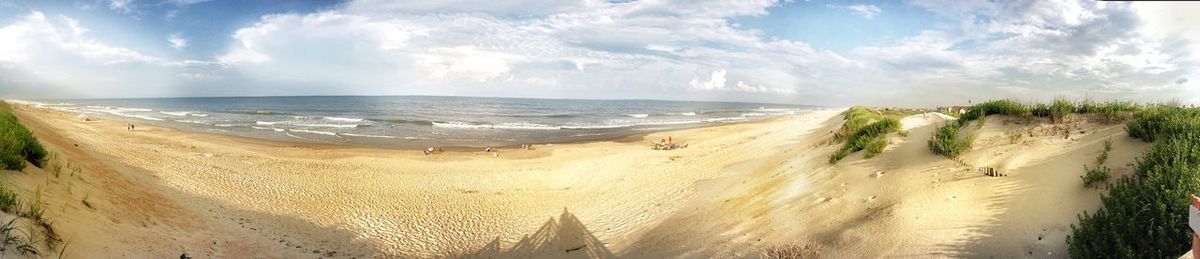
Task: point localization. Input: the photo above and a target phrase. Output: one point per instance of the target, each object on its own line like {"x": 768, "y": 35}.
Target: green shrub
{"x": 1094, "y": 175}
{"x": 1152, "y": 123}
{"x": 1113, "y": 111}
{"x": 1002, "y": 107}
{"x": 946, "y": 141}
{"x": 1061, "y": 110}
{"x": 1040, "y": 110}
{"x": 1145, "y": 216}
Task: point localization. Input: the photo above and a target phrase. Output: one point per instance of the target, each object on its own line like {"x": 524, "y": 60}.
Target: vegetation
{"x": 792, "y": 251}
{"x": 1060, "y": 110}
{"x": 1094, "y": 175}
{"x": 1143, "y": 215}
{"x": 864, "y": 128}
{"x": 946, "y": 142}
{"x": 17, "y": 144}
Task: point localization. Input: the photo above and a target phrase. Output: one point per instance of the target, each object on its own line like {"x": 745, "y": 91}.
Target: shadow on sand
{"x": 565, "y": 238}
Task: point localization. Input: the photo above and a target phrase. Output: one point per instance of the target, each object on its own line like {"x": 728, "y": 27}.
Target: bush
{"x": 946, "y": 141}
{"x": 1060, "y": 110}
{"x": 1002, "y": 107}
{"x": 1151, "y": 123}
{"x": 1094, "y": 175}
{"x": 1114, "y": 111}
{"x": 1145, "y": 216}
{"x": 1040, "y": 110}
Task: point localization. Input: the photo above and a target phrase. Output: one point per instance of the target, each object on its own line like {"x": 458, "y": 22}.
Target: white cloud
{"x": 57, "y": 57}
{"x": 467, "y": 62}
{"x": 176, "y": 41}
{"x": 124, "y": 6}
{"x": 867, "y": 11}
{"x": 716, "y": 80}
{"x": 633, "y": 50}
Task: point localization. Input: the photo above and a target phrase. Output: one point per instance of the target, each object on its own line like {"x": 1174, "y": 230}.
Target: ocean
{"x": 420, "y": 121}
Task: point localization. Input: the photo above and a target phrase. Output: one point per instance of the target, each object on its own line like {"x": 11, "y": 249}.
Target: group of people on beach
{"x": 129, "y": 127}
{"x": 667, "y": 144}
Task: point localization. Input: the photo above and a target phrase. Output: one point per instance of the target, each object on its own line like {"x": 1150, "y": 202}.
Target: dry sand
{"x": 738, "y": 188}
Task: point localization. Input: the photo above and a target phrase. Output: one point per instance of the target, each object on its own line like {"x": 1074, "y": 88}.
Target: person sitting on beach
{"x": 428, "y": 151}
{"x": 488, "y": 149}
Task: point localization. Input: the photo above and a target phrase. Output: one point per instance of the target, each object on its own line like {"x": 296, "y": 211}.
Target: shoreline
{"x": 630, "y": 137}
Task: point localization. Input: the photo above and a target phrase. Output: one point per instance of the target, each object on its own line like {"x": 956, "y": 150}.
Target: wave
{"x": 262, "y": 128}
{"x": 368, "y": 136}
{"x": 344, "y": 119}
{"x": 192, "y": 121}
{"x": 198, "y": 114}
{"x": 327, "y": 125}
{"x": 181, "y": 114}
{"x": 753, "y": 114}
{"x": 269, "y": 122}
{"x": 687, "y": 113}
{"x": 512, "y": 126}
{"x": 640, "y": 115}
{"x": 223, "y": 125}
{"x": 260, "y": 112}
{"x": 314, "y": 132}
{"x": 144, "y": 117}
{"x": 119, "y": 112}
{"x": 289, "y": 134}
{"x": 727, "y": 119}
{"x": 601, "y": 126}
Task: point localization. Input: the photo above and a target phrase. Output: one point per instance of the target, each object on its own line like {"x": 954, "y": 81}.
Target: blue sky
{"x": 812, "y": 52}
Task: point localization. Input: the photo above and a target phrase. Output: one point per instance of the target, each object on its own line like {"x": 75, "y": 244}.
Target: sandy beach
{"x": 735, "y": 191}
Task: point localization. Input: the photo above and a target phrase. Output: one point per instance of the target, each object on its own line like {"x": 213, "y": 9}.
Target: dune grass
{"x": 947, "y": 142}
{"x": 1144, "y": 216}
{"x": 864, "y": 128}
{"x": 17, "y": 144}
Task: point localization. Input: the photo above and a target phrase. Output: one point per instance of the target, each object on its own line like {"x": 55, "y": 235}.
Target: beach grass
{"x": 1144, "y": 216}
{"x": 864, "y": 128}
{"x": 17, "y": 144}
{"x": 947, "y": 142}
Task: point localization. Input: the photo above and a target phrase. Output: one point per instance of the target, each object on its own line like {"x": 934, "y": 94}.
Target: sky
{"x": 904, "y": 53}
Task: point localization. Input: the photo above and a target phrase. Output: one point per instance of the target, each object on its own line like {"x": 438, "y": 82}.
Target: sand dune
{"x": 736, "y": 190}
